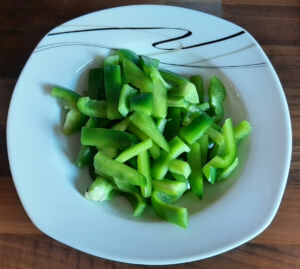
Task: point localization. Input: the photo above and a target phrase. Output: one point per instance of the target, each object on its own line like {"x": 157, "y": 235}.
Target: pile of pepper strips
{"x": 150, "y": 134}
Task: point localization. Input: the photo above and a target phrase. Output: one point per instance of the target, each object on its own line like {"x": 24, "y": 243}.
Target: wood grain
{"x": 274, "y": 23}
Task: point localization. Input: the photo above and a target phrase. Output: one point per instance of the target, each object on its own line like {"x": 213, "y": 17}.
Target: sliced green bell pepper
{"x": 74, "y": 118}
{"x": 173, "y": 124}
{"x": 196, "y": 177}
{"x": 181, "y": 86}
{"x": 92, "y": 108}
{"x": 126, "y": 93}
{"x": 196, "y": 128}
{"x": 101, "y": 137}
{"x": 143, "y": 163}
{"x": 128, "y": 54}
{"x": 115, "y": 169}
{"x": 113, "y": 85}
{"x": 135, "y": 76}
{"x": 229, "y": 152}
{"x": 96, "y": 88}
{"x": 171, "y": 213}
{"x": 142, "y": 102}
{"x": 198, "y": 82}
{"x": 134, "y": 151}
{"x": 180, "y": 167}
{"x": 100, "y": 190}
{"x": 216, "y": 95}
{"x": 146, "y": 124}
{"x": 154, "y": 150}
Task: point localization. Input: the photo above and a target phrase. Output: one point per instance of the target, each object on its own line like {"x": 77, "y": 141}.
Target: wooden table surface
{"x": 276, "y": 26}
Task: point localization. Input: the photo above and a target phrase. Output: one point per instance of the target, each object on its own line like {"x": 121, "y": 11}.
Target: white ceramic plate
{"x": 186, "y": 41}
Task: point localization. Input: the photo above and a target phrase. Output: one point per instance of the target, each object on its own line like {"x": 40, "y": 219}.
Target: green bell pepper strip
{"x": 161, "y": 124}
{"x": 160, "y": 101}
{"x": 147, "y": 125}
{"x": 96, "y": 88}
{"x": 216, "y": 95}
{"x": 181, "y": 86}
{"x": 100, "y": 190}
{"x": 225, "y": 173}
{"x": 137, "y": 202}
{"x": 74, "y": 118}
{"x": 126, "y": 93}
{"x": 101, "y": 137}
{"x": 161, "y": 164}
{"x": 154, "y": 150}
{"x": 113, "y": 85}
{"x": 216, "y": 126}
{"x": 171, "y": 213}
{"x": 143, "y": 163}
{"x": 241, "y": 130}
{"x": 135, "y": 76}
{"x": 132, "y": 193}
{"x": 181, "y": 178}
{"x": 86, "y": 153}
{"x": 159, "y": 86}
{"x": 92, "y": 108}
{"x": 173, "y": 125}
{"x": 109, "y": 152}
{"x": 198, "y": 81}
{"x": 196, "y": 128}
{"x": 121, "y": 126}
{"x": 203, "y": 141}
{"x": 196, "y": 177}
{"x": 229, "y": 152}
{"x": 148, "y": 64}
{"x": 150, "y": 67}
{"x": 134, "y": 151}
{"x": 177, "y": 101}
{"x": 172, "y": 188}
{"x": 128, "y": 54}
{"x": 142, "y": 102}
{"x": 115, "y": 169}
{"x": 180, "y": 167}
{"x": 215, "y": 136}
{"x": 193, "y": 111}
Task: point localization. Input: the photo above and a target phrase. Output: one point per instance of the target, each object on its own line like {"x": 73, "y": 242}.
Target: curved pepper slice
{"x": 229, "y": 152}
{"x": 171, "y": 213}
{"x": 74, "y": 118}
{"x": 100, "y": 190}
{"x": 216, "y": 95}
{"x": 92, "y": 108}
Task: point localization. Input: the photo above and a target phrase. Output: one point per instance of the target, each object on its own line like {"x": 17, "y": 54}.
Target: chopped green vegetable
{"x": 115, "y": 169}
{"x": 101, "y": 137}
{"x": 150, "y": 134}
{"x": 92, "y": 108}
{"x": 113, "y": 86}
{"x": 146, "y": 124}
{"x": 101, "y": 190}
{"x": 142, "y": 102}
{"x": 134, "y": 151}
{"x": 126, "y": 93}
{"x": 74, "y": 118}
